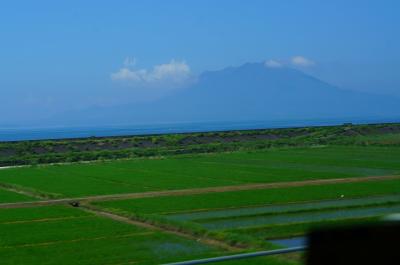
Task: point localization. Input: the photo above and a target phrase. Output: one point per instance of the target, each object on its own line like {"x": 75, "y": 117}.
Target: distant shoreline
{"x": 114, "y": 131}
{"x": 171, "y": 144}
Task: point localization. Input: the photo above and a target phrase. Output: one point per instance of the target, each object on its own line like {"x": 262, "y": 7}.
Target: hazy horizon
{"x": 68, "y": 58}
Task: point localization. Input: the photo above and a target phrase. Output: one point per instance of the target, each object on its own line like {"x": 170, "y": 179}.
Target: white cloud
{"x": 173, "y": 73}
{"x": 273, "y": 64}
{"x": 129, "y": 62}
{"x": 301, "y": 61}
{"x": 126, "y": 74}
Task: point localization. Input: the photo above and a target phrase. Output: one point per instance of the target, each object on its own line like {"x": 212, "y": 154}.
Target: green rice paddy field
{"x": 8, "y": 196}
{"x": 202, "y": 202}
{"x": 183, "y": 172}
{"x": 61, "y": 234}
{"x": 65, "y": 235}
{"x": 273, "y": 213}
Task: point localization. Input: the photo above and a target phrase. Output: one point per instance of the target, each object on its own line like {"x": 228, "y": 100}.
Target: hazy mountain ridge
{"x": 249, "y": 92}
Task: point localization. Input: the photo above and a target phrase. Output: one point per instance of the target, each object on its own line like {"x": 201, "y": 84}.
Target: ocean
{"x": 18, "y": 134}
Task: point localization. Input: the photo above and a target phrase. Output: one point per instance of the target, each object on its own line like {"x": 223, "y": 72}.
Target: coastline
{"x": 124, "y": 130}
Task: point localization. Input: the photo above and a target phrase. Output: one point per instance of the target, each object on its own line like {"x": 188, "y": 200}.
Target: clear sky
{"x": 58, "y": 55}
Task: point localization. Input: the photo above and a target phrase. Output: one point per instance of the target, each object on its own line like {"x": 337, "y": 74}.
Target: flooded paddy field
{"x": 316, "y": 216}
{"x": 284, "y": 208}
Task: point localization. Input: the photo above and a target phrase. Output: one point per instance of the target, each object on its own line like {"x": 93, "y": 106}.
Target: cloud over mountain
{"x": 302, "y": 61}
{"x": 273, "y": 64}
{"x": 295, "y": 61}
{"x": 250, "y": 92}
{"x": 174, "y": 73}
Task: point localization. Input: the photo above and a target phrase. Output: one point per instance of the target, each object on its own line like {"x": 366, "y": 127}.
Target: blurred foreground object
{"x": 377, "y": 244}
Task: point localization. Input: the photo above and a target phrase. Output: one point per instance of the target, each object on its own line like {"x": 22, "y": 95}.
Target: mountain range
{"x": 248, "y": 92}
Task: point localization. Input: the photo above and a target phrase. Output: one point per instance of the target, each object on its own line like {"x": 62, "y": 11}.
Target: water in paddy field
{"x": 290, "y": 242}
{"x": 40, "y": 133}
{"x": 301, "y": 217}
{"x": 283, "y": 208}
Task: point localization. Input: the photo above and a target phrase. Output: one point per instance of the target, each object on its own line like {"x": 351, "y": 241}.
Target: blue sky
{"x": 61, "y": 55}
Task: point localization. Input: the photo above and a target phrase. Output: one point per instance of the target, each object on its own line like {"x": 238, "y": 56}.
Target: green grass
{"x": 298, "y": 229}
{"x": 301, "y": 217}
{"x": 38, "y": 213}
{"x": 65, "y": 235}
{"x": 139, "y": 249}
{"x": 180, "y": 172}
{"x": 285, "y": 208}
{"x": 189, "y": 203}
{"x": 90, "y": 149}
{"x": 232, "y": 201}
{"x": 9, "y": 196}
{"x": 58, "y": 235}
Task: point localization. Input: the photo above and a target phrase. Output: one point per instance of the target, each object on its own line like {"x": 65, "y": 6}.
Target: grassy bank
{"x": 89, "y": 149}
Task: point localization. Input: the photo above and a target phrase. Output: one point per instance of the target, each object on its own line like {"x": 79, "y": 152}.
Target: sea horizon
{"x": 75, "y": 132}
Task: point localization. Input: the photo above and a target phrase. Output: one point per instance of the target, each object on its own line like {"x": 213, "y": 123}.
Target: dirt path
{"x": 20, "y": 191}
{"x": 127, "y": 220}
{"x": 256, "y": 186}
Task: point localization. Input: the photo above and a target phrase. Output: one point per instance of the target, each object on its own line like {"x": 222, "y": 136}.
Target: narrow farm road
{"x": 255, "y": 186}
